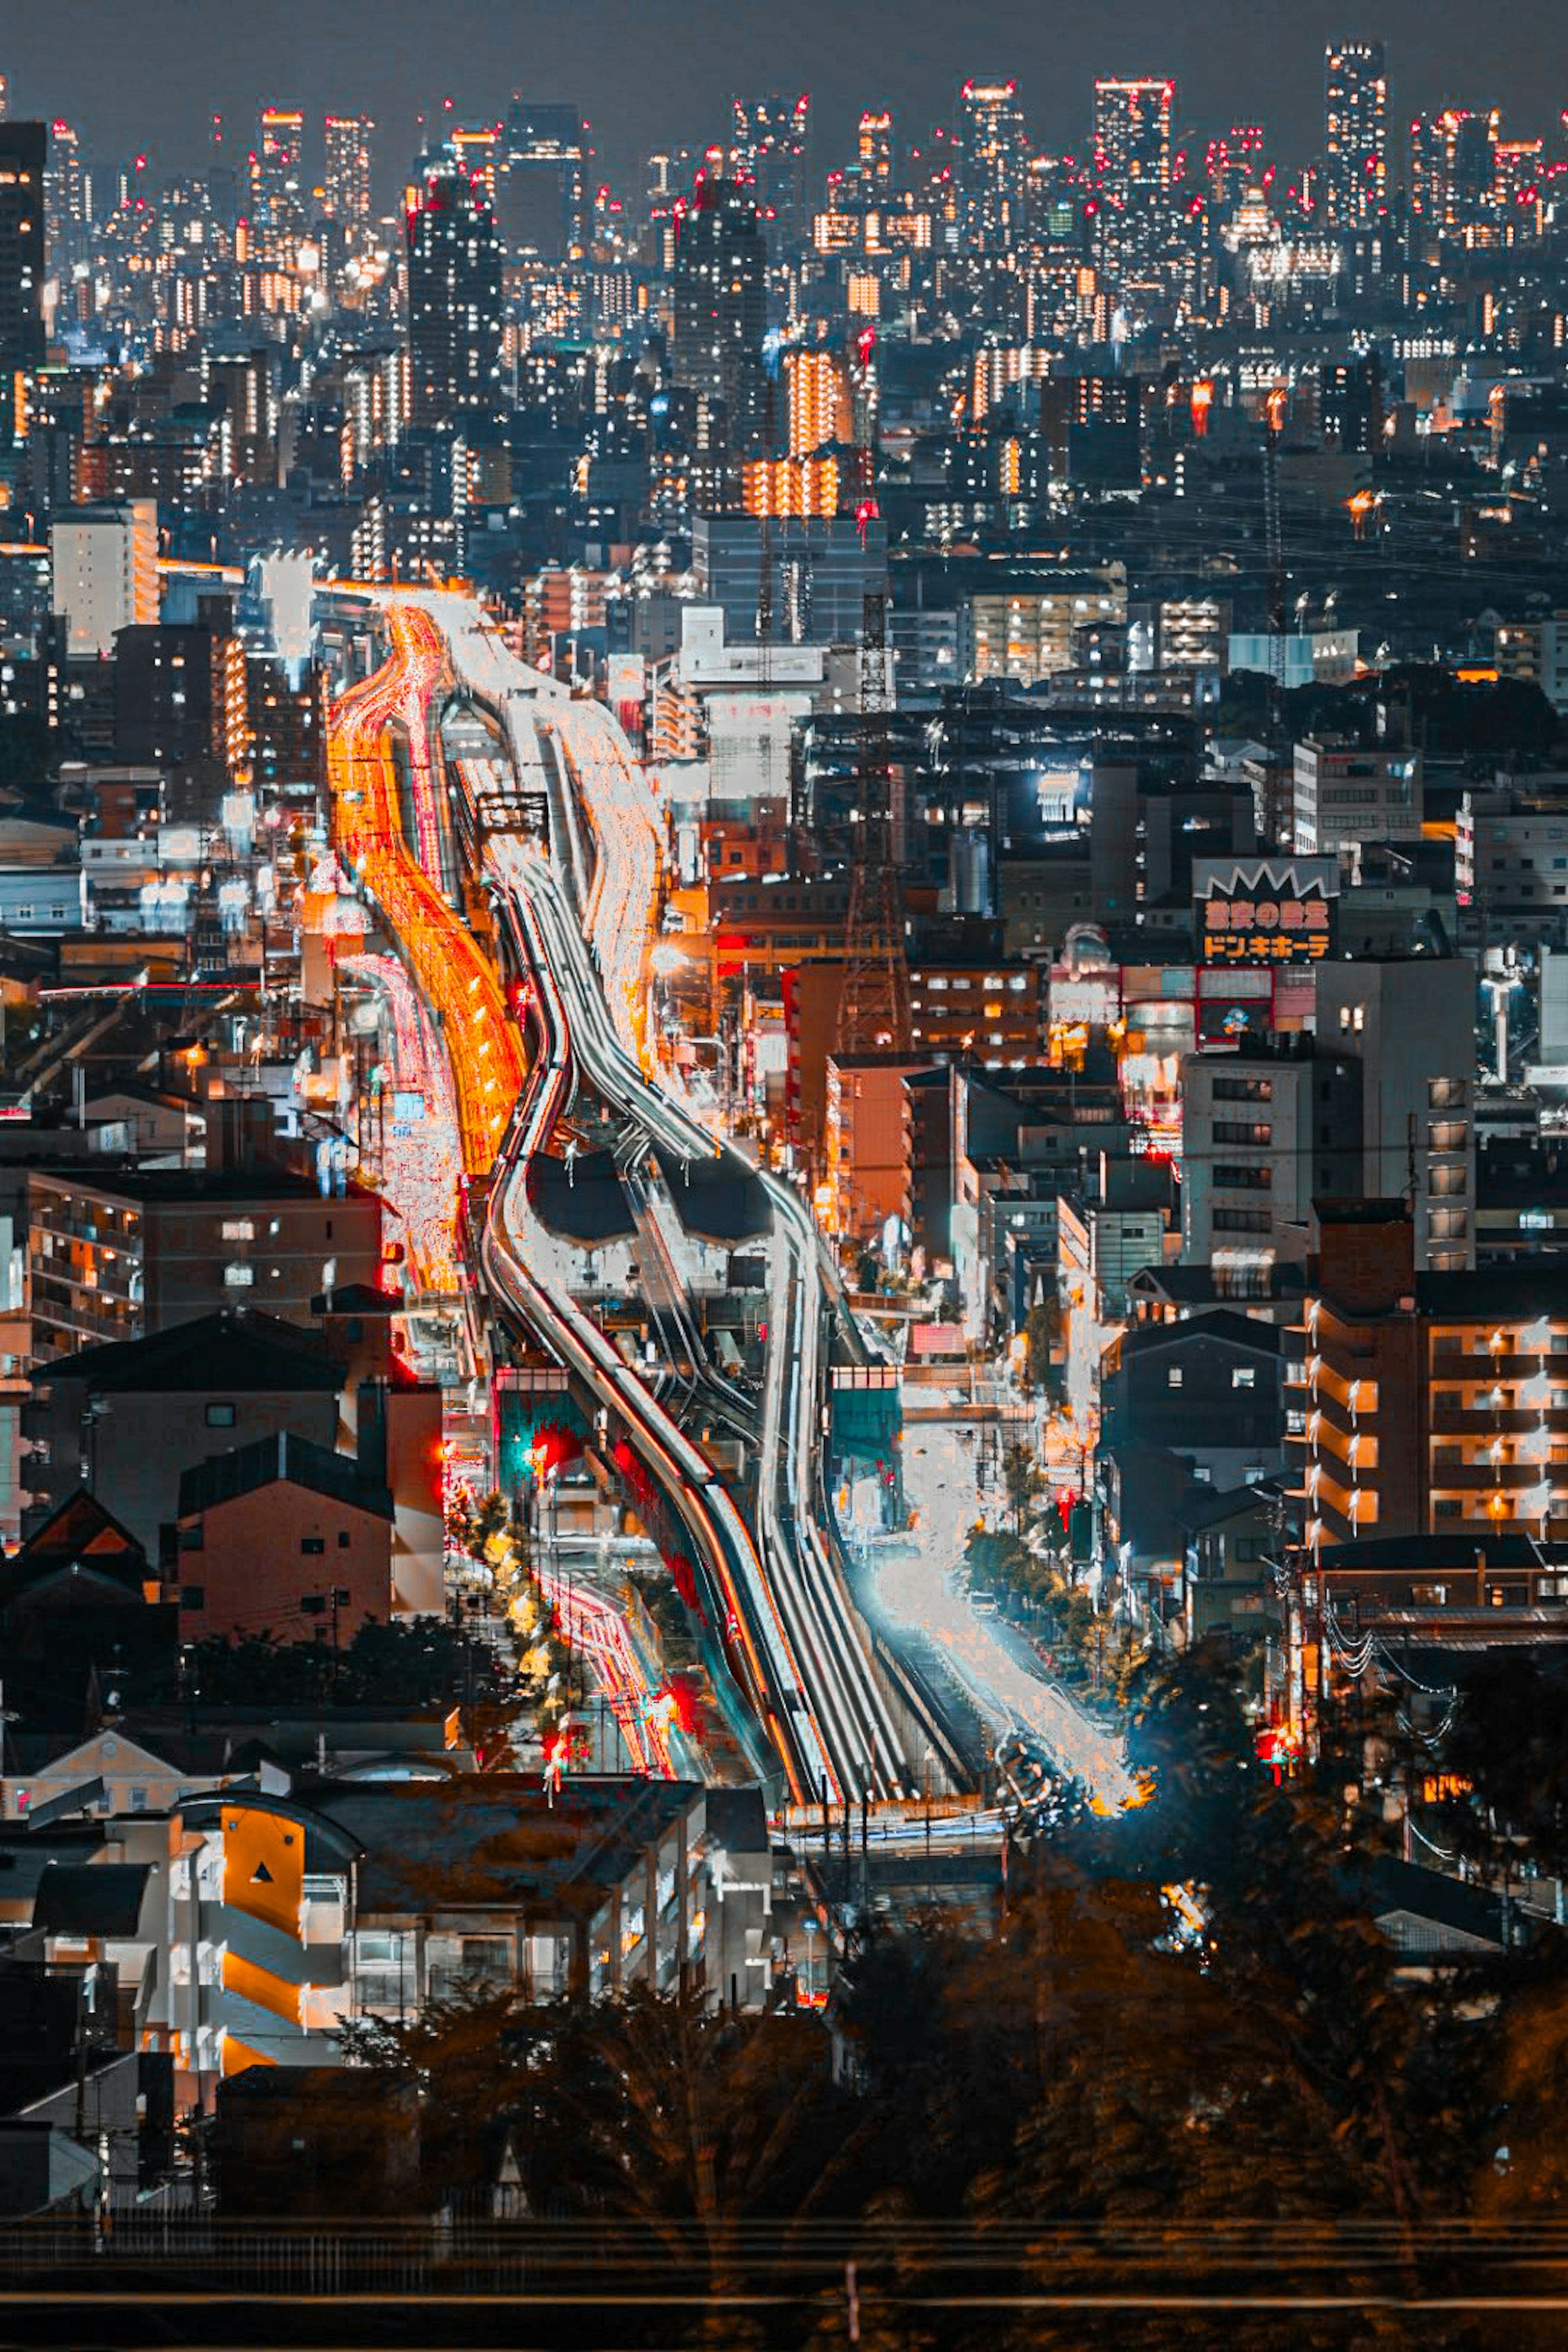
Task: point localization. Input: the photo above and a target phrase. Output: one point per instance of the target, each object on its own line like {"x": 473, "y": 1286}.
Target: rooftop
{"x": 93, "y": 1898}
{"x": 496, "y": 1841}
{"x": 278, "y": 1460}
{"x": 155, "y": 1186}
{"x": 233, "y": 1349}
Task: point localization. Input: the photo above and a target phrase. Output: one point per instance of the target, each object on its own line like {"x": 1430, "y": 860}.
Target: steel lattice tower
{"x": 874, "y": 1002}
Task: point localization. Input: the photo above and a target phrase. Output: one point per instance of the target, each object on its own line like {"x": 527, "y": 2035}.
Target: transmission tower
{"x": 874, "y": 1002}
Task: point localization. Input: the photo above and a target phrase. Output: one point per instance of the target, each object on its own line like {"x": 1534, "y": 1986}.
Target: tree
{"x": 994, "y": 1556}
{"x": 1021, "y": 1480}
{"x": 675, "y": 2124}
{"x": 1510, "y": 1743}
{"x": 1042, "y": 1333}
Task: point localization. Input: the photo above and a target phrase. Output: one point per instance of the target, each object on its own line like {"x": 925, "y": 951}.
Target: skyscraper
{"x": 994, "y": 162}
{"x": 1356, "y": 132}
{"x": 65, "y": 202}
{"x": 24, "y": 149}
{"x": 770, "y": 144}
{"x": 453, "y": 294}
{"x": 276, "y": 166}
{"x": 539, "y": 184}
{"x": 346, "y": 188}
{"x": 874, "y": 153}
{"x": 1132, "y": 136}
{"x": 478, "y": 148}
{"x": 1453, "y": 166}
{"x": 720, "y": 305}
{"x": 1133, "y": 172}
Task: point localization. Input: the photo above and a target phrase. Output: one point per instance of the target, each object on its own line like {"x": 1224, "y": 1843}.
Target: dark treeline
{"x": 1184, "y": 2062}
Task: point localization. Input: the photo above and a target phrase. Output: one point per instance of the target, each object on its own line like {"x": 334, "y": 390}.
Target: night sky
{"x": 647, "y": 72}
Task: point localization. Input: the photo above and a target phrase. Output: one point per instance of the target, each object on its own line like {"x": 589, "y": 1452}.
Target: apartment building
{"x": 114, "y": 1254}
{"x": 1410, "y": 1022}
{"x": 1510, "y": 861}
{"x": 1426, "y": 1402}
{"x": 1344, "y": 792}
{"x": 1264, "y": 1130}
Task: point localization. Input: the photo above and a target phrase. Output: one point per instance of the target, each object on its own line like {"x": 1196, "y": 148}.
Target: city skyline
{"x": 359, "y": 62}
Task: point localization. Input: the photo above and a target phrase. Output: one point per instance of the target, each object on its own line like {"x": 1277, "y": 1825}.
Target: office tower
{"x": 478, "y": 151}
{"x": 346, "y": 197}
{"x": 720, "y": 306}
{"x": 770, "y": 141}
{"x": 1356, "y": 132}
{"x": 276, "y": 166}
{"x": 1350, "y": 405}
{"x": 993, "y": 165}
{"x": 1133, "y": 172}
{"x": 105, "y": 564}
{"x": 24, "y": 150}
{"x": 874, "y": 152}
{"x": 1132, "y": 137}
{"x": 453, "y": 294}
{"x": 65, "y": 202}
{"x": 1453, "y": 166}
{"x": 539, "y": 203}
{"x": 4, "y": 96}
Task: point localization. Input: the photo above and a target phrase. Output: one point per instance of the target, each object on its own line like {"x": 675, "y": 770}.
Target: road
{"x": 695, "y": 1496}
{"x": 485, "y": 1053}
{"x": 919, "y": 1587}
{"x": 801, "y": 1594}
{"x": 582, "y": 922}
{"x": 421, "y": 1157}
{"x": 452, "y": 971}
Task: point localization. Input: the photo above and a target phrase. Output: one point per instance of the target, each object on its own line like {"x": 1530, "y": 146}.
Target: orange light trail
{"x": 450, "y": 969}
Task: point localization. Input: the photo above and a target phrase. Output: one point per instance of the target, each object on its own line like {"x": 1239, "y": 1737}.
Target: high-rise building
{"x": 1453, "y": 166}
{"x": 720, "y": 306}
{"x": 105, "y": 563}
{"x": 1356, "y": 132}
{"x": 4, "y": 96}
{"x": 346, "y": 193}
{"x": 770, "y": 144}
{"x": 874, "y": 152}
{"x": 1132, "y": 171}
{"x": 24, "y": 152}
{"x": 1132, "y": 136}
{"x": 995, "y": 161}
{"x": 819, "y": 409}
{"x": 453, "y": 294}
{"x": 276, "y": 166}
{"x": 478, "y": 148}
{"x": 180, "y": 698}
{"x": 539, "y": 184}
{"x": 65, "y": 202}
{"x": 1410, "y": 1022}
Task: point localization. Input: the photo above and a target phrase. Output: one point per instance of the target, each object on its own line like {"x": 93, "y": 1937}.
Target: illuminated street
{"x": 919, "y": 1584}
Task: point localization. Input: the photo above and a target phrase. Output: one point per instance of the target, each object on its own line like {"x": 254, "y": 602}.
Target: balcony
{"x": 1494, "y": 1421}
{"x": 1479, "y": 1364}
{"x": 1505, "y": 1477}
